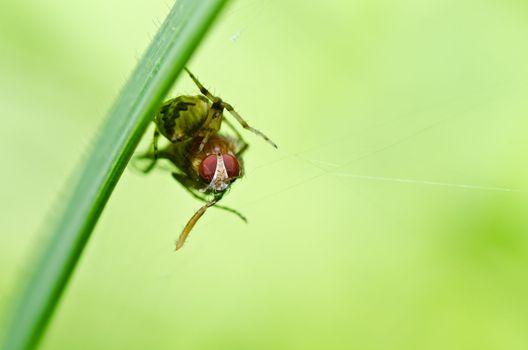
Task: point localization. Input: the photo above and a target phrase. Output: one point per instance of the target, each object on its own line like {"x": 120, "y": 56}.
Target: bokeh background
{"x": 393, "y": 215}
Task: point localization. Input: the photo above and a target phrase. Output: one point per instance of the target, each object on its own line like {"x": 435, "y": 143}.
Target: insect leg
{"x": 152, "y": 156}
{"x": 192, "y": 221}
{"x": 227, "y": 106}
{"x": 205, "y": 138}
{"x": 243, "y": 144}
{"x": 232, "y": 127}
{"x": 214, "y": 112}
{"x": 242, "y": 149}
{"x": 155, "y": 139}
{"x": 187, "y": 184}
{"x": 244, "y": 124}
{"x": 203, "y": 90}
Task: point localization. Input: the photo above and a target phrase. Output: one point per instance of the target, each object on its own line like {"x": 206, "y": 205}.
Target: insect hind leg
{"x": 216, "y": 100}
{"x": 245, "y": 125}
{"x": 155, "y": 152}
{"x": 152, "y": 156}
{"x": 202, "y": 88}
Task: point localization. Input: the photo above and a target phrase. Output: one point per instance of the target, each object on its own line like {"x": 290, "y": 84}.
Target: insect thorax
{"x": 187, "y": 157}
{"x": 182, "y": 117}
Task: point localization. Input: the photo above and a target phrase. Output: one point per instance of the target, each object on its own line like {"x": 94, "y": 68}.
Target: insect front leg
{"x": 192, "y": 221}
{"x": 187, "y": 183}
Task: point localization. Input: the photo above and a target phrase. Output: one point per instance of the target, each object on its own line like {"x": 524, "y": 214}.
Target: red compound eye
{"x": 231, "y": 165}
{"x": 208, "y": 168}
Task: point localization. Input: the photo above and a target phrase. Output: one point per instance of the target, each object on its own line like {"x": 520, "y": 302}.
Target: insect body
{"x": 206, "y": 162}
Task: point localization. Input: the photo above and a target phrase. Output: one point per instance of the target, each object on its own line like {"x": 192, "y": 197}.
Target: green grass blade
{"x": 177, "y": 38}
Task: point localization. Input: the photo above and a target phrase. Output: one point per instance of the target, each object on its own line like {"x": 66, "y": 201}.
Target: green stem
{"x": 131, "y": 114}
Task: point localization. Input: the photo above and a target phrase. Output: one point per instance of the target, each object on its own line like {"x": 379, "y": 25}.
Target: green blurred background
{"x": 393, "y": 215}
